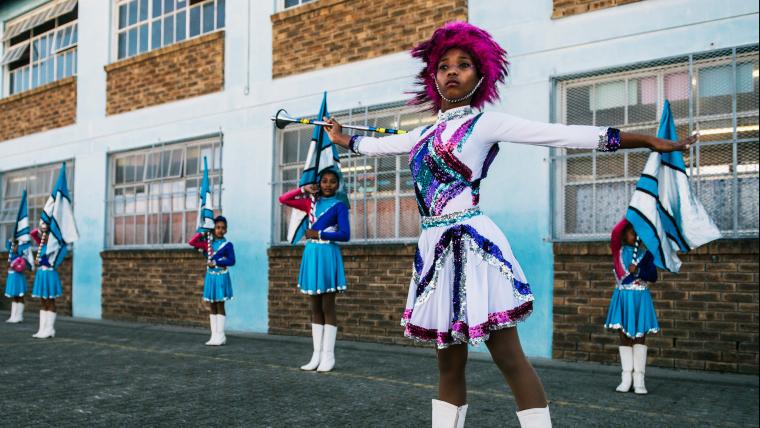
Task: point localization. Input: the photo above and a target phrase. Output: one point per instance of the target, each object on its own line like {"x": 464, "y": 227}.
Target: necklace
{"x": 456, "y": 100}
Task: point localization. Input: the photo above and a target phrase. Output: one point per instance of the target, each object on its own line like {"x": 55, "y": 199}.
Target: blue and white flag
{"x": 205, "y": 206}
{"x": 21, "y": 231}
{"x": 664, "y": 212}
{"x": 322, "y": 156}
{"x": 58, "y": 214}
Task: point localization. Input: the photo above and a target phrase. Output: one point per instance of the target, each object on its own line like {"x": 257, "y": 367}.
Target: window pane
{"x": 156, "y": 34}
{"x": 144, "y": 38}
{"x": 208, "y": 17}
{"x": 132, "y": 42}
{"x": 220, "y": 6}
{"x": 122, "y": 50}
{"x": 122, "y": 15}
{"x": 715, "y": 90}
{"x": 642, "y": 100}
{"x": 609, "y": 102}
{"x": 168, "y": 6}
{"x": 132, "y": 17}
{"x": 143, "y": 10}
{"x": 195, "y": 21}
{"x": 156, "y": 8}
{"x": 579, "y": 106}
{"x": 168, "y": 30}
{"x": 181, "y": 26}
{"x": 677, "y": 87}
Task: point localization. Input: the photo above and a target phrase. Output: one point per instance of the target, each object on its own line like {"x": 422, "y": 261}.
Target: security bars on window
{"x": 380, "y": 189}
{"x": 38, "y": 181}
{"x": 715, "y": 93}
{"x": 153, "y": 193}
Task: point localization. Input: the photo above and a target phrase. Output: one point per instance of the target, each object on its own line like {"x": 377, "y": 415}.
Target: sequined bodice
{"x": 444, "y": 180}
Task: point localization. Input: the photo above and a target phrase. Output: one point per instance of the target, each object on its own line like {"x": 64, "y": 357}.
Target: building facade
{"x": 133, "y": 94}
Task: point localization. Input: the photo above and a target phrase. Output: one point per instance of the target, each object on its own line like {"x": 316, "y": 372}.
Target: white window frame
{"x": 58, "y": 55}
{"x": 560, "y": 156}
{"x": 150, "y": 21}
{"x": 154, "y": 204}
{"x": 35, "y": 201}
{"x": 281, "y": 4}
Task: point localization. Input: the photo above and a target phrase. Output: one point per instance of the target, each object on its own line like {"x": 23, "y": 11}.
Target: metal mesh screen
{"x": 380, "y": 189}
{"x": 715, "y": 93}
{"x": 38, "y": 182}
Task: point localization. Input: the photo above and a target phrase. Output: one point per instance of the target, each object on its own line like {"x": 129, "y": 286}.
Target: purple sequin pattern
{"x": 609, "y": 140}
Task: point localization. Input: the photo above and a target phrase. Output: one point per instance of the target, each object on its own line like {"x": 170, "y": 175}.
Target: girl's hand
{"x": 632, "y": 268}
{"x": 312, "y": 234}
{"x": 665, "y": 146}
{"x": 211, "y": 264}
{"x": 335, "y": 132}
{"x": 311, "y": 189}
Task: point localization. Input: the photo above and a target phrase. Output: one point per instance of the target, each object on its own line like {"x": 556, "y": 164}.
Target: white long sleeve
{"x": 390, "y": 145}
{"x": 512, "y": 129}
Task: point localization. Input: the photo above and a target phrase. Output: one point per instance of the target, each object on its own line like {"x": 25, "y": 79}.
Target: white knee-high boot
{"x": 327, "y": 358}
{"x": 12, "y": 318}
{"x": 316, "y": 338}
{"x": 535, "y": 418}
{"x": 19, "y": 312}
{"x": 212, "y": 326}
{"x": 221, "y": 338}
{"x": 626, "y": 362}
{"x": 49, "y": 330}
{"x": 447, "y": 415}
{"x": 43, "y": 324}
{"x": 639, "y": 368}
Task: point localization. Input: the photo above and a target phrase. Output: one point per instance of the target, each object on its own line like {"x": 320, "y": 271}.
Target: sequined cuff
{"x": 609, "y": 140}
{"x": 353, "y": 143}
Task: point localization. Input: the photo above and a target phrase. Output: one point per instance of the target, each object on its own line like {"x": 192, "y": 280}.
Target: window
{"x": 380, "y": 189}
{"x": 715, "y": 93}
{"x": 143, "y": 25}
{"x": 286, "y": 4}
{"x": 38, "y": 181}
{"x": 41, "y": 46}
{"x": 153, "y": 193}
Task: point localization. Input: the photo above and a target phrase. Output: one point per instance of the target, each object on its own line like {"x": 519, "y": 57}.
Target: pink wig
{"x": 489, "y": 58}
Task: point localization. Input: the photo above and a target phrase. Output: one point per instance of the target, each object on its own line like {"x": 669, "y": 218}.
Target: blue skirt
{"x": 47, "y": 284}
{"x": 632, "y": 312}
{"x": 321, "y": 269}
{"x": 217, "y": 287}
{"x": 15, "y": 285}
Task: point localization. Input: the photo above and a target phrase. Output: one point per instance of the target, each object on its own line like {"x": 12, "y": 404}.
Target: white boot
{"x": 19, "y": 312}
{"x": 12, "y": 318}
{"x": 327, "y": 358}
{"x": 316, "y": 338}
{"x": 43, "y": 324}
{"x": 535, "y": 418}
{"x": 447, "y": 415}
{"x": 221, "y": 338}
{"x": 639, "y": 368}
{"x": 626, "y": 361}
{"x": 212, "y": 323}
{"x": 49, "y": 330}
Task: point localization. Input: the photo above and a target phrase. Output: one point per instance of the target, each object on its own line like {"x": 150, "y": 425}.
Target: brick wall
{"x": 158, "y": 286}
{"x": 708, "y": 312}
{"x": 182, "y": 70}
{"x": 32, "y": 305}
{"x": 304, "y": 39}
{"x": 49, "y": 106}
{"x": 378, "y": 281}
{"x": 563, "y": 8}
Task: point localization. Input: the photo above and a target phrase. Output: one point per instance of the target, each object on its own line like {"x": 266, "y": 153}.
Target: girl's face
{"x": 44, "y": 227}
{"x": 629, "y": 236}
{"x": 220, "y": 229}
{"x": 456, "y": 74}
{"x": 328, "y": 184}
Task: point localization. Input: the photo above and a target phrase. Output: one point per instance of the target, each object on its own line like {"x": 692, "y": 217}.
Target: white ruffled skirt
{"x": 466, "y": 284}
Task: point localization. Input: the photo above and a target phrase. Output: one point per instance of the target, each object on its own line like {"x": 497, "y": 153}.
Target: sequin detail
{"x": 609, "y": 140}
{"x": 620, "y": 327}
{"x": 637, "y": 285}
{"x": 450, "y": 218}
{"x": 439, "y": 175}
{"x": 454, "y": 113}
{"x": 461, "y": 333}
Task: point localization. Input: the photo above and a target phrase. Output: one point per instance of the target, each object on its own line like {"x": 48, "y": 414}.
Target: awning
{"x": 14, "y": 53}
{"x": 39, "y": 16}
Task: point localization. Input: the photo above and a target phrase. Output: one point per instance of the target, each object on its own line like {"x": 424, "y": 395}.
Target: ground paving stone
{"x": 100, "y": 373}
